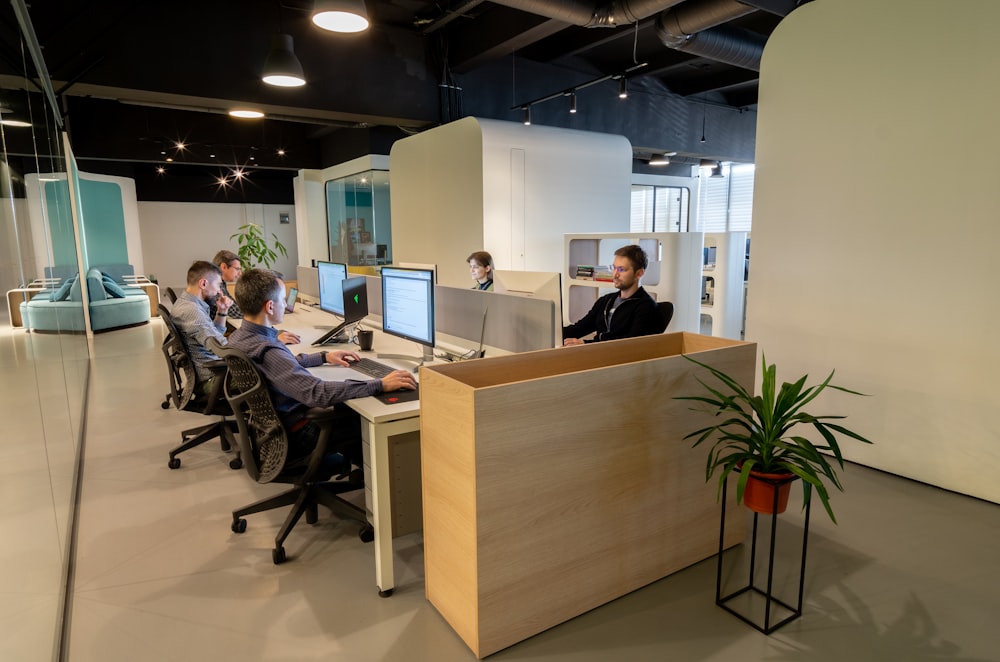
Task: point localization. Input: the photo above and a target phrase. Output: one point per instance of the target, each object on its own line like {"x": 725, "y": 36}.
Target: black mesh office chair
{"x": 171, "y": 295}
{"x": 186, "y": 394}
{"x": 264, "y": 443}
{"x": 666, "y": 310}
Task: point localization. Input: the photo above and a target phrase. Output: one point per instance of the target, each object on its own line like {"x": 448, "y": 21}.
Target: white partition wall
{"x": 868, "y": 256}
{"x": 510, "y": 189}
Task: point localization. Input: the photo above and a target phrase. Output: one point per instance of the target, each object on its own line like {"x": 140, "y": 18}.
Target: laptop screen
{"x": 293, "y": 294}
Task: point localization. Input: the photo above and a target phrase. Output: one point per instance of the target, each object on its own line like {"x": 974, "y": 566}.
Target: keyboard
{"x": 371, "y": 368}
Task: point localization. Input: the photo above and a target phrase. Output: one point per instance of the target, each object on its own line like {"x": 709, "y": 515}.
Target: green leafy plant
{"x": 253, "y": 249}
{"x": 755, "y": 434}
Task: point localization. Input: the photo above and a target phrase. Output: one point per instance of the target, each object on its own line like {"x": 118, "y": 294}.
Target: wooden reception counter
{"x": 556, "y": 481}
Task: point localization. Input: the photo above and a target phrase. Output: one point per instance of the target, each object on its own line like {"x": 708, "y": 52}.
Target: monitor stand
{"x": 428, "y": 356}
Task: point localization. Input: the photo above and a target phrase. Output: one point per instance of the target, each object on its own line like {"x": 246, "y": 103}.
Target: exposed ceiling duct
{"x": 685, "y": 26}
{"x": 691, "y": 28}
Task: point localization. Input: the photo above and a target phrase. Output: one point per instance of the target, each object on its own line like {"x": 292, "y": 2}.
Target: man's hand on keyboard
{"x": 399, "y": 379}
{"x": 341, "y": 357}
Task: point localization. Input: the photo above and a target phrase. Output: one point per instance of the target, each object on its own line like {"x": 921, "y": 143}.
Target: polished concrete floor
{"x": 911, "y": 573}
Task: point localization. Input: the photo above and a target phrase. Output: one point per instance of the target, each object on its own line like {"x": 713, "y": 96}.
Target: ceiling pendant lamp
{"x": 340, "y": 15}
{"x": 282, "y": 68}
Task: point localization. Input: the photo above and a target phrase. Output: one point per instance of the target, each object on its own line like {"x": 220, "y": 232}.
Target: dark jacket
{"x": 635, "y": 316}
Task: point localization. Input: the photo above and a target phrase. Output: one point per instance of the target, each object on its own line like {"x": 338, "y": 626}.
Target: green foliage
{"x": 253, "y": 249}
{"x": 754, "y": 434}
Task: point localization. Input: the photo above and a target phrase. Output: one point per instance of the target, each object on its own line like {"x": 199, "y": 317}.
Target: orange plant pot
{"x": 759, "y": 493}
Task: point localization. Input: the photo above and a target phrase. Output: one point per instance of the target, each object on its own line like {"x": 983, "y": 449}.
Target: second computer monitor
{"x": 408, "y": 304}
{"x": 331, "y": 276}
{"x": 355, "y": 299}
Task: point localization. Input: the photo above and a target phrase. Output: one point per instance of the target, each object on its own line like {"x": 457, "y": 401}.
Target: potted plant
{"x": 253, "y": 249}
{"x": 756, "y": 436}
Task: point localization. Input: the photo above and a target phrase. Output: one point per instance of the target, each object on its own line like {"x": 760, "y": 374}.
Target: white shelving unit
{"x": 674, "y": 272}
{"x": 723, "y": 285}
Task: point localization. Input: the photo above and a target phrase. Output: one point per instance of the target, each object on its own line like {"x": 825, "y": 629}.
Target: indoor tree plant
{"x": 253, "y": 249}
{"x": 756, "y": 434}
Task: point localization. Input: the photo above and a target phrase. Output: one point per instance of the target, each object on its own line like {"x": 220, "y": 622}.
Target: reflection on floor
{"x": 909, "y": 574}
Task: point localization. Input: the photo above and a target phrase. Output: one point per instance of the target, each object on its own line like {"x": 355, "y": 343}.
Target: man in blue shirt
{"x": 194, "y": 319}
{"x": 261, "y": 295}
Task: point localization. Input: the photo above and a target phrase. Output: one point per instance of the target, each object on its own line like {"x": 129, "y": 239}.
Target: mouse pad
{"x": 399, "y": 396}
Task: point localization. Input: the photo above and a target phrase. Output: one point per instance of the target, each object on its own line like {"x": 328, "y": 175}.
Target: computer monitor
{"x": 355, "y": 307}
{"x": 408, "y": 307}
{"x": 331, "y": 276}
{"x": 421, "y": 265}
{"x": 293, "y": 295}
{"x": 537, "y": 284}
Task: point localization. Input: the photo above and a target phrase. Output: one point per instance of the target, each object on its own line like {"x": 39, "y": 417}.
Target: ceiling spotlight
{"x": 572, "y": 102}
{"x": 246, "y": 113}
{"x": 282, "y": 68}
{"x": 168, "y": 160}
{"x": 527, "y": 116}
{"x": 179, "y": 146}
{"x": 281, "y": 152}
{"x": 340, "y": 15}
{"x": 623, "y": 88}
{"x": 659, "y": 160}
{"x": 160, "y": 170}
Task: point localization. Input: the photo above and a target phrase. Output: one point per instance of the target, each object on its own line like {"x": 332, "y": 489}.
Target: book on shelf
{"x": 584, "y": 272}
{"x": 603, "y": 273}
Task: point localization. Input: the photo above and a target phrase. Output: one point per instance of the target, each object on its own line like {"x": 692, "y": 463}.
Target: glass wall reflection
{"x": 359, "y": 219}
{"x": 43, "y": 390}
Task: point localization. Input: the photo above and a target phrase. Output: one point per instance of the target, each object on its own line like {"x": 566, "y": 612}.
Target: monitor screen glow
{"x": 408, "y": 304}
{"x": 331, "y": 277}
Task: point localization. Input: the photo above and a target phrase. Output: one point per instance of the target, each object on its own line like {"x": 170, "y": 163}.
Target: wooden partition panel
{"x": 556, "y": 481}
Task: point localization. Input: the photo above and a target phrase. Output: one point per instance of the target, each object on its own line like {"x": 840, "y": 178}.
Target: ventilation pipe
{"x": 588, "y": 15}
{"x": 691, "y": 28}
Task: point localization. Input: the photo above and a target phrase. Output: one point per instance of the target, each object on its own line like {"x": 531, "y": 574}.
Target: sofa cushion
{"x": 113, "y": 288}
{"x": 74, "y": 290}
{"x": 62, "y": 293}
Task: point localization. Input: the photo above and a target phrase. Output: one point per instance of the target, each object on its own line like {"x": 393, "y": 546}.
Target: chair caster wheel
{"x": 165, "y": 405}
{"x": 174, "y": 463}
{"x": 236, "y": 463}
{"x": 239, "y": 525}
{"x": 386, "y": 593}
{"x": 367, "y": 534}
{"x": 278, "y": 555}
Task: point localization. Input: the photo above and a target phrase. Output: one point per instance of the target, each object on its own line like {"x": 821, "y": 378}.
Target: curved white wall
{"x": 877, "y": 222}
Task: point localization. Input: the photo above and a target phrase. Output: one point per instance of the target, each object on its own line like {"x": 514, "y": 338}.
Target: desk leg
{"x": 377, "y": 438}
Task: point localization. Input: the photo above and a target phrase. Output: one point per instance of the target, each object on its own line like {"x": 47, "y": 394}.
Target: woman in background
{"x": 481, "y": 268}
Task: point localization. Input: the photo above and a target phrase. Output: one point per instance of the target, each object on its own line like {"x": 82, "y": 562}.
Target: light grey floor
{"x": 910, "y": 573}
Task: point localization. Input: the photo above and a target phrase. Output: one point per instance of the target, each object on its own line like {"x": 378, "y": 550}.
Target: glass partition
{"x": 358, "y": 219}
{"x": 43, "y": 390}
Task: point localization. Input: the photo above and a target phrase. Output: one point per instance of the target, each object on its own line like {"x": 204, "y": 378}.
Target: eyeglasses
{"x": 619, "y": 270}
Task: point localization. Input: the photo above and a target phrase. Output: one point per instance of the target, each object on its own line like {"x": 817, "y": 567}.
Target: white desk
{"x": 379, "y": 421}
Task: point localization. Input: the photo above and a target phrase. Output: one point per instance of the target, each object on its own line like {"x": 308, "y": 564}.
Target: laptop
{"x": 355, "y": 309}
{"x": 293, "y": 294}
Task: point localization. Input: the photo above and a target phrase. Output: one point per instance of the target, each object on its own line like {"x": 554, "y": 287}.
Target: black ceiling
{"x": 135, "y": 77}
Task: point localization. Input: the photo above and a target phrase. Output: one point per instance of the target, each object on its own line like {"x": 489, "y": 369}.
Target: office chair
{"x": 666, "y": 310}
{"x": 171, "y": 295}
{"x": 264, "y": 444}
{"x": 186, "y": 395}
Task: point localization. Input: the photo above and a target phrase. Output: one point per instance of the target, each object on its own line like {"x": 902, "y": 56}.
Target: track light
{"x": 282, "y": 68}
{"x": 572, "y": 102}
{"x": 623, "y": 88}
{"x": 527, "y": 116}
{"x": 340, "y": 15}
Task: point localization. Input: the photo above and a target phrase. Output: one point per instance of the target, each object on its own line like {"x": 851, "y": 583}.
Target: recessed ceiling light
{"x": 160, "y": 170}
{"x": 169, "y": 160}
{"x": 281, "y": 152}
{"x": 246, "y": 113}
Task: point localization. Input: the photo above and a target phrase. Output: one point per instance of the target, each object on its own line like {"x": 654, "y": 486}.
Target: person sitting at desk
{"x": 261, "y": 295}
{"x": 232, "y": 268}
{"x": 194, "y": 319}
{"x": 627, "y": 313}
{"x": 481, "y": 268}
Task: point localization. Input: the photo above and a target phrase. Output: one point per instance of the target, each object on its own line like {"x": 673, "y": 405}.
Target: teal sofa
{"x": 112, "y": 305}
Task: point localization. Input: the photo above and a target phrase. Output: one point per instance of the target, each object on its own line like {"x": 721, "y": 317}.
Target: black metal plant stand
{"x": 769, "y": 598}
